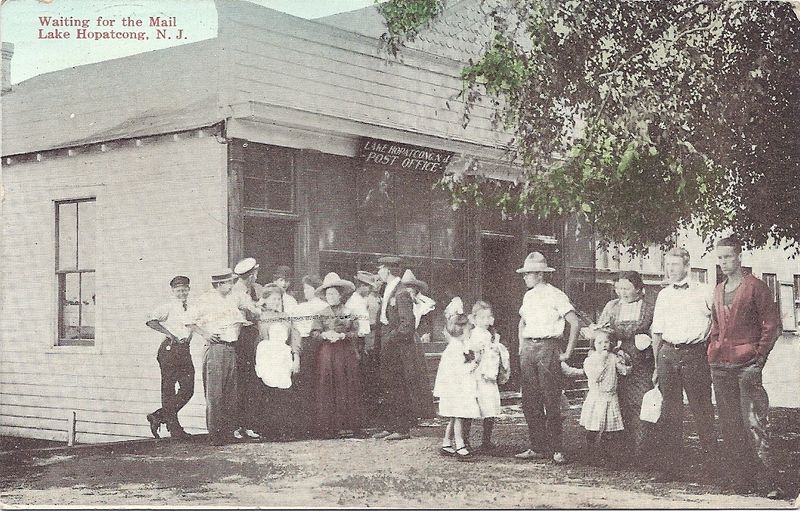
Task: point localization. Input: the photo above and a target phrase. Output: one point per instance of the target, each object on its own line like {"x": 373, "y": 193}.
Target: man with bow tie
{"x": 681, "y": 323}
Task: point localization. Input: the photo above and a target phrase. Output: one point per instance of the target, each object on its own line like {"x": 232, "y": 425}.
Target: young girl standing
{"x": 493, "y": 368}
{"x": 601, "y": 415}
{"x": 455, "y": 384}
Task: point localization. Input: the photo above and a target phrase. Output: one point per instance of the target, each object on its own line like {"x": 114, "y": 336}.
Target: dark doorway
{"x": 272, "y": 242}
{"x": 503, "y": 288}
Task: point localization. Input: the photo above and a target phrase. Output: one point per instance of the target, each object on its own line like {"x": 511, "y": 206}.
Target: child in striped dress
{"x": 600, "y": 415}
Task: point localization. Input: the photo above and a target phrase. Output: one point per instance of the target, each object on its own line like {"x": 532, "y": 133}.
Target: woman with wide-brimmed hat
{"x": 338, "y": 386}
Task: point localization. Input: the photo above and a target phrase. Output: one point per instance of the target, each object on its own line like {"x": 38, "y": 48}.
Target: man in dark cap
{"x": 398, "y": 370}
{"x": 173, "y": 358}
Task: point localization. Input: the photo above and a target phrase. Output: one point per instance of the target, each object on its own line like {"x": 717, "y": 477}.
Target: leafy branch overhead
{"x": 646, "y": 117}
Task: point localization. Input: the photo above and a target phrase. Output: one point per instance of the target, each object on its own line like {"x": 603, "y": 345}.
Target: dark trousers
{"x": 398, "y": 373}
{"x": 684, "y": 369}
{"x": 247, "y": 382}
{"x": 541, "y": 393}
{"x": 175, "y": 362}
{"x": 743, "y": 405}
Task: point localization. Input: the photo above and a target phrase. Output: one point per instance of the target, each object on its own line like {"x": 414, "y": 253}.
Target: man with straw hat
{"x": 217, "y": 319}
{"x": 545, "y": 311}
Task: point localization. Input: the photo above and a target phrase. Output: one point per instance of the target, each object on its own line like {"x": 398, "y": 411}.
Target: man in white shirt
{"x": 282, "y": 277}
{"x": 681, "y": 323}
{"x": 544, "y": 314}
{"x": 174, "y": 359}
{"x": 215, "y": 317}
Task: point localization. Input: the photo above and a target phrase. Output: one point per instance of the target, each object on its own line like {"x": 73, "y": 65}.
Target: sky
{"x": 31, "y": 26}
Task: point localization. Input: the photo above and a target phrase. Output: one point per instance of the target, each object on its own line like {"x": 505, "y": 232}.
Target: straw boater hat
{"x": 222, "y": 276}
{"x": 535, "y": 262}
{"x": 408, "y": 279}
{"x": 333, "y": 280}
{"x": 244, "y": 266}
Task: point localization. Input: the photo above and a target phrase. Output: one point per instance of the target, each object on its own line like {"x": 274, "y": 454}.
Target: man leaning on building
{"x": 744, "y": 327}
{"x": 216, "y": 318}
{"x": 544, "y": 313}
{"x": 174, "y": 359}
{"x": 681, "y": 322}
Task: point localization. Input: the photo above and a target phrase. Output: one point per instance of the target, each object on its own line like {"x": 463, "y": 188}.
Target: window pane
{"x": 67, "y": 236}
{"x": 376, "y": 210}
{"x": 86, "y": 234}
{"x": 254, "y": 194}
{"x": 279, "y": 164}
{"x": 69, "y": 302}
{"x": 334, "y": 204}
{"x": 279, "y": 196}
{"x": 413, "y": 215}
{"x": 447, "y": 227}
{"x": 87, "y": 306}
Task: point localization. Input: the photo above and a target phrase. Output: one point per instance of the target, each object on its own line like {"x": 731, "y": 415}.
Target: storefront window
{"x": 268, "y": 178}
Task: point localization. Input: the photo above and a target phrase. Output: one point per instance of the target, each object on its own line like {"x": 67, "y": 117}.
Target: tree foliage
{"x": 647, "y": 117}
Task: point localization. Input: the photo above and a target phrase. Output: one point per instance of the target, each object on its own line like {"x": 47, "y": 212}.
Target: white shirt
{"x": 358, "y": 307}
{"x": 390, "y": 286}
{"x": 683, "y": 315}
{"x": 289, "y": 303}
{"x": 172, "y": 316}
{"x": 217, "y": 314}
{"x": 543, "y": 309}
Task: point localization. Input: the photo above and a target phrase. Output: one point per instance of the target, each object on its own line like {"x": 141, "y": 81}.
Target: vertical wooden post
{"x": 235, "y": 200}
{"x": 72, "y": 419}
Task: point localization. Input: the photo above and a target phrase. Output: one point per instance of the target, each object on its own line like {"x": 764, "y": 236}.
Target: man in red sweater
{"x": 744, "y": 327}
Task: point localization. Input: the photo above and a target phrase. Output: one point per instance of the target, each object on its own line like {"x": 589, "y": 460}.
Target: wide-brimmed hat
{"x": 224, "y": 275}
{"x": 333, "y": 280}
{"x": 408, "y": 279}
{"x": 535, "y": 262}
{"x": 366, "y": 277}
{"x": 246, "y": 265}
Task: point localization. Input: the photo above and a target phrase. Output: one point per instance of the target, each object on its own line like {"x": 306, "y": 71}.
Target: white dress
{"x": 455, "y": 384}
{"x": 486, "y": 374}
{"x": 273, "y": 356}
{"x": 600, "y": 410}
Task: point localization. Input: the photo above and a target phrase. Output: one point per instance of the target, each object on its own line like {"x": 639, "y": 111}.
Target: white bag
{"x": 651, "y": 406}
{"x": 642, "y": 341}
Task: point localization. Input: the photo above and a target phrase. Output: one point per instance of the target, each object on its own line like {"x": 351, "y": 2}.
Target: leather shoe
{"x": 154, "y": 425}
{"x": 398, "y": 436}
{"x": 530, "y": 454}
{"x": 179, "y": 434}
{"x": 251, "y": 434}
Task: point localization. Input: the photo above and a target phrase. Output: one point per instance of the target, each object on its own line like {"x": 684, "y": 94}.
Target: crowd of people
{"x": 347, "y": 358}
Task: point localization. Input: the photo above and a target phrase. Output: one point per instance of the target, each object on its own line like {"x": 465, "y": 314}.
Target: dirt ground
{"x": 363, "y": 473}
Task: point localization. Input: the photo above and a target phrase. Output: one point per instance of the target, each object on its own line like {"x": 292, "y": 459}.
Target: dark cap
{"x": 282, "y": 272}
{"x": 179, "y": 280}
{"x": 390, "y": 261}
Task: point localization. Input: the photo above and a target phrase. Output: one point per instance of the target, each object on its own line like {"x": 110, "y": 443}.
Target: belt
{"x": 685, "y": 345}
{"x": 540, "y": 339}
{"x": 224, "y": 343}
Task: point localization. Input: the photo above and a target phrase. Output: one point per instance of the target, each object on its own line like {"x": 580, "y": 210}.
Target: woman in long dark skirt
{"x": 276, "y": 364}
{"x": 338, "y": 377}
{"x": 628, "y": 316}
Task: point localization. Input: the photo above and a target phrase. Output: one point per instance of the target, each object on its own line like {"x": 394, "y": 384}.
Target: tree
{"x": 647, "y": 117}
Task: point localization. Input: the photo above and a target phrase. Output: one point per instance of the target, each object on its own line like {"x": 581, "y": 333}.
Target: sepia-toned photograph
{"x": 472, "y": 254}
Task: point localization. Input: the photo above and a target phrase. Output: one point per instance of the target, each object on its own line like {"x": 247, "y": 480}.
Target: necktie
{"x": 184, "y": 306}
{"x": 685, "y": 285}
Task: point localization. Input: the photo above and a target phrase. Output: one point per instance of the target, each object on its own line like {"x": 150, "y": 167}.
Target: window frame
{"x": 267, "y": 180}
{"x": 776, "y": 286}
{"x": 60, "y": 274}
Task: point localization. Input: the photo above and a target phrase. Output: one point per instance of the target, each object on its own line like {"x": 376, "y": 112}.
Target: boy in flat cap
{"x": 173, "y": 358}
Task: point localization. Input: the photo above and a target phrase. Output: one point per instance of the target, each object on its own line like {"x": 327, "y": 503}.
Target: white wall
{"x": 161, "y": 210}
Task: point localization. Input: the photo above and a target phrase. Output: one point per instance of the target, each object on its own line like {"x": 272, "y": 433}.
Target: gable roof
{"x": 161, "y": 91}
{"x": 264, "y": 67}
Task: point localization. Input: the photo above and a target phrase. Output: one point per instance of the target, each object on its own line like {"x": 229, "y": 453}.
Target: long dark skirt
{"x": 338, "y": 389}
{"x": 305, "y": 383}
{"x": 631, "y": 389}
{"x": 278, "y": 416}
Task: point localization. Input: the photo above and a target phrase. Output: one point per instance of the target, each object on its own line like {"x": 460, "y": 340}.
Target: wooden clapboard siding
{"x": 161, "y": 210}
{"x": 302, "y": 64}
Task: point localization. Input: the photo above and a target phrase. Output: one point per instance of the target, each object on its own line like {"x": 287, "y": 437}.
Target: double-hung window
{"x": 75, "y": 271}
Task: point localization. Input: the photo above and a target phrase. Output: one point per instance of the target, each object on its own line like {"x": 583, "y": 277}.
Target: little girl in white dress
{"x": 455, "y": 384}
{"x": 493, "y": 369}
